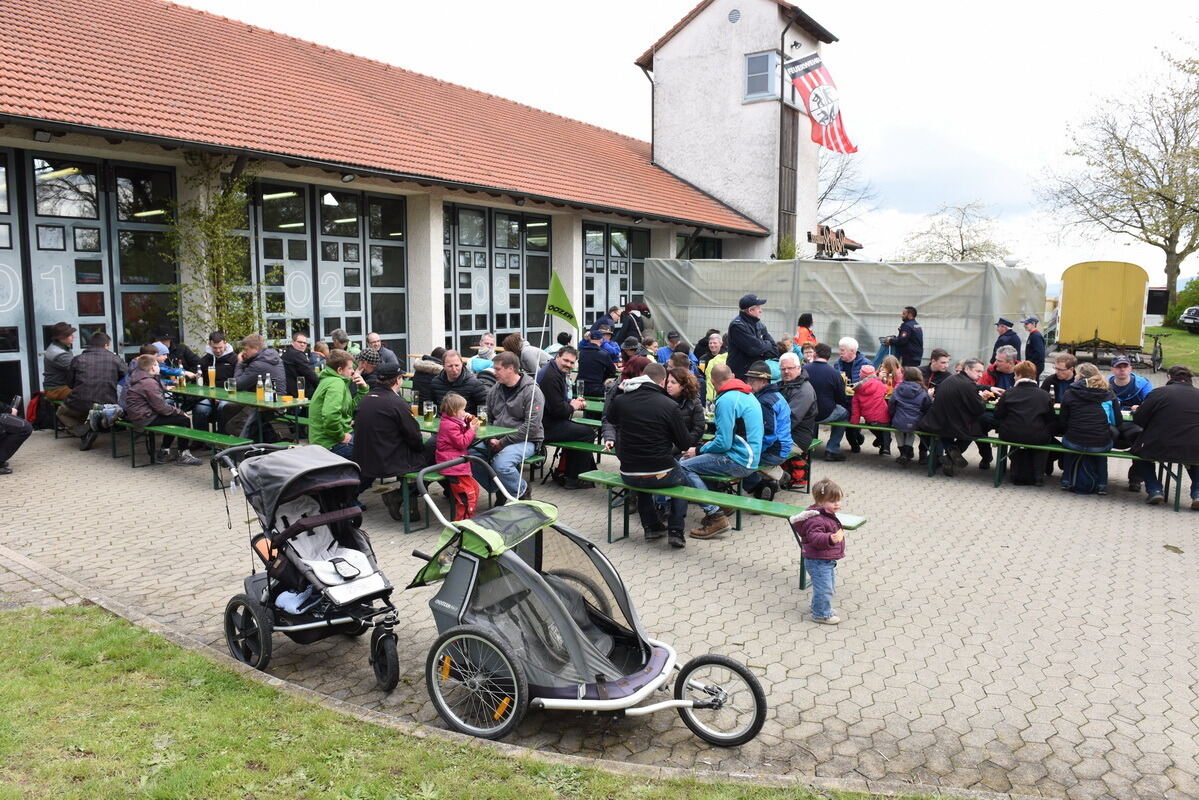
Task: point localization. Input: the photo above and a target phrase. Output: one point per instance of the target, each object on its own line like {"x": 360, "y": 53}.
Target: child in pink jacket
{"x": 454, "y": 435}
{"x": 870, "y": 406}
{"x": 822, "y": 541}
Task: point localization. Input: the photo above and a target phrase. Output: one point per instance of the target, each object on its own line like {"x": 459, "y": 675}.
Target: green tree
{"x": 959, "y": 233}
{"x": 219, "y": 294}
{"x": 1135, "y": 170}
{"x": 1189, "y": 296}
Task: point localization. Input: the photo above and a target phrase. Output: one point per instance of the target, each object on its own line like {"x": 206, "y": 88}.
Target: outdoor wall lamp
{"x": 41, "y": 136}
{"x": 348, "y": 177}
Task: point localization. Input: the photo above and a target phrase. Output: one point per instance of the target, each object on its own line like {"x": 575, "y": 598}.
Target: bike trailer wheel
{"x": 475, "y": 683}
{"x": 733, "y": 703}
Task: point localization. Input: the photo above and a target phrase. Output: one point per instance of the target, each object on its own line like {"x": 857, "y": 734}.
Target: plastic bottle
{"x": 260, "y": 389}
{"x": 268, "y": 390}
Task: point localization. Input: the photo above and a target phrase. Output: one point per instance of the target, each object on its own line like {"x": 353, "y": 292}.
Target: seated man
{"x": 296, "y": 364}
{"x": 801, "y": 397}
{"x": 937, "y": 368}
{"x": 218, "y": 355}
{"x": 735, "y": 448}
{"x": 375, "y": 342}
{"x": 1130, "y": 390}
{"x": 559, "y": 408}
{"x": 13, "y": 433}
{"x": 146, "y": 405}
{"x": 1002, "y": 373}
{"x": 331, "y": 412}
{"x": 387, "y": 439}
{"x": 596, "y": 366}
{"x": 850, "y": 366}
{"x": 255, "y": 361}
{"x": 1170, "y": 417}
{"x": 455, "y": 377}
{"x": 776, "y": 429}
{"x": 514, "y": 402}
{"x": 956, "y": 415}
{"x": 649, "y": 429}
{"x": 93, "y": 377}
{"x": 832, "y": 405}
{"x": 56, "y": 360}
{"x": 369, "y": 362}
{"x": 177, "y": 352}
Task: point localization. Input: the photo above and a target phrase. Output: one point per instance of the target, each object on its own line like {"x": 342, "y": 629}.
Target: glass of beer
{"x": 300, "y": 388}
{"x": 430, "y": 411}
{"x": 212, "y": 377}
{"x": 415, "y": 410}
{"x": 230, "y": 385}
{"x": 482, "y": 416}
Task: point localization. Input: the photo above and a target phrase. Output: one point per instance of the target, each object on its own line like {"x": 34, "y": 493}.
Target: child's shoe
{"x": 833, "y": 620}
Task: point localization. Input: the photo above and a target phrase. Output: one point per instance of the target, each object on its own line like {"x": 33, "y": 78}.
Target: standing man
{"x": 748, "y": 340}
{"x": 93, "y": 377}
{"x": 514, "y": 402}
{"x": 909, "y": 342}
{"x": 375, "y": 342}
{"x": 610, "y": 319}
{"x": 596, "y": 365}
{"x": 649, "y": 428}
{"x": 733, "y": 451}
{"x": 559, "y": 408}
{"x": 56, "y": 360}
{"x": 831, "y": 403}
{"x": 1034, "y": 346}
{"x": 1007, "y": 338}
{"x": 295, "y": 365}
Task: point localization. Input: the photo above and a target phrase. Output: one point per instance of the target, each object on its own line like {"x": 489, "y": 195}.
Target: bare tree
{"x": 1135, "y": 170}
{"x": 844, "y": 194}
{"x": 955, "y": 233}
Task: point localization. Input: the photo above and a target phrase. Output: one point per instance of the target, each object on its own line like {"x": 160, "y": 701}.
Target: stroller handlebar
{"x": 423, "y": 493}
{"x": 232, "y": 456}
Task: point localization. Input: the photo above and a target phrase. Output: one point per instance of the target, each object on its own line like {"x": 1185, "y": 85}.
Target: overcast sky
{"x": 948, "y": 102}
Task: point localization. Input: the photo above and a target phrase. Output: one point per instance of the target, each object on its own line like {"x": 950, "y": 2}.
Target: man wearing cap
{"x": 1034, "y": 346}
{"x": 672, "y": 341}
{"x": 177, "y": 352}
{"x": 1170, "y": 418}
{"x": 369, "y": 362}
{"x": 748, "y": 339}
{"x": 387, "y": 439}
{"x": 56, "y": 360}
{"x": 596, "y": 365}
{"x": 776, "y": 430}
{"x": 1130, "y": 390}
{"x": 1007, "y": 337}
{"x": 909, "y": 342}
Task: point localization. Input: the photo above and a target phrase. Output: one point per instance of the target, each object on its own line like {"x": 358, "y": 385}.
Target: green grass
{"x": 93, "y": 707}
{"x": 1180, "y": 347}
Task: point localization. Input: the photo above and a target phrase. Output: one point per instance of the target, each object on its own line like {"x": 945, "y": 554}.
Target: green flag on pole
{"x": 558, "y": 303}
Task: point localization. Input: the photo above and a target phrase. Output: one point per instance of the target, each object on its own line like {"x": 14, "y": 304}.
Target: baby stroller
{"x": 533, "y": 615}
{"x": 320, "y": 575}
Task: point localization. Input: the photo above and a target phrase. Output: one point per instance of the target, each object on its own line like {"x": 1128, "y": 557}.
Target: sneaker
{"x": 87, "y": 439}
{"x": 163, "y": 456}
{"x": 1101, "y": 490}
{"x": 855, "y": 448}
{"x": 713, "y": 525}
{"x": 884, "y": 451}
{"x": 947, "y": 465}
{"x": 655, "y": 532}
{"x": 831, "y": 456}
{"x": 5, "y": 470}
{"x": 833, "y": 620}
{"x": 1157, "y": 498}
{"x": 677, "y": 540}
{"x": 95, "y": 417}
{"x": 186, "y": 459}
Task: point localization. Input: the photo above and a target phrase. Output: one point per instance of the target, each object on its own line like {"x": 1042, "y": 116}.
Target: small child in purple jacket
{"x": 822, "y": 541}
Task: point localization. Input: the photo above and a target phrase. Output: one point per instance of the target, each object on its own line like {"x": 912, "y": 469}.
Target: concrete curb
{"x": 52, "y": 578}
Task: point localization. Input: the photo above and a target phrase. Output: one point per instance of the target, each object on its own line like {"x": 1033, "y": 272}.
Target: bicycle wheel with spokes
{"x": 731, "y": 706}
{"x": 475, "y": 684}
{"x": 248, "y": 629}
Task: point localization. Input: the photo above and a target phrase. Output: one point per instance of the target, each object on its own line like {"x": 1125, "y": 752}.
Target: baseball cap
{"x": 1033, "y": 320}
{"x": 673, "y": 336}
{"x": 751, "y": 300}
{"x": 1121, "y": 361}
{"x": 758, "y": 369}
{"x": 388, "y": 371}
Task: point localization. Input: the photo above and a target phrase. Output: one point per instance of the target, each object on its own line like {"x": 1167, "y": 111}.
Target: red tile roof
{"x": 813, "y": 28}
{"x": 154, "y": 69}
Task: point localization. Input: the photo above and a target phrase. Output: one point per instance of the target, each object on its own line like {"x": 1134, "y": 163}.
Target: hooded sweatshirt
{"x": 519, "y": 407}
{"x": 649, "y": 425}
{"x": 265, "y": 362}
{"x": 909, "y": 402}
{"x": 738, "y": 425}
{"x": 776, "y": 420}
{"x": 331, "y": 412}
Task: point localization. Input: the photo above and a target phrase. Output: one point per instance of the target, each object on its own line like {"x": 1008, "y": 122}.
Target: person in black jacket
{"x": 1062, "y": 378}
{"x": 423, "y": 372}
{"x": 1025, "y": 414}
{"x": 1086, "y": 426}
{"x": 177, "y": 353}
{"x": 218, "y": 354}
{"x": 748, "y": 340}
{"x": 909, "y": 341}
{"x": 681, "y": 386}
{"x": 595, "y": 364}
{"x": 1007, "y": 337}
{"x": 559, "y": 408}
{"x": 956, "y": 413}
{"x": 1034, "y": 346}
{"x": 297, "y": 365}
{"x": 387, "y": 439}
{"x": 1170, "y": 418}
{"x": 650, "y": 430}
{"x": 455, "y": 377}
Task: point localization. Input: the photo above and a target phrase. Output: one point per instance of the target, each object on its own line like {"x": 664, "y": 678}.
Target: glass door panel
{"x": 14, "y": 373}
{"x": 146, "y": 268}
{"x": 285, "y": 272}
{"x": 387, "y": 254}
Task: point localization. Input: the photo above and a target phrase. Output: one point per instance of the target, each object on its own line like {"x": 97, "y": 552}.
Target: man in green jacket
{"x": 331, "y": 412}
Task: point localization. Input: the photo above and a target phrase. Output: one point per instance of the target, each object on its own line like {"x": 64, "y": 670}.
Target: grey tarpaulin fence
{"x": 958, "y": 303}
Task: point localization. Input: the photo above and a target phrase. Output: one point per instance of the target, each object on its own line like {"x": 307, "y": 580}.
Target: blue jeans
{"x": 344, "y": 449}
{"x": 206, "y": 410}
{"x": 506, "y": 463}
{"x": 711, "y": 464}
{"x": 1147, "y": 471}
{"x": 1075, "y": 467}
{"x": 645, "y": 502}
{"x": 823, "y": 574}
{"x": 769, "y": 459}
{"x": 835, "y": 433}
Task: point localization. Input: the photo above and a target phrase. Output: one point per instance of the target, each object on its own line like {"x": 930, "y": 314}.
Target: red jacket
{"x": 870, "y": 401}
{"x": 453, "y": 437}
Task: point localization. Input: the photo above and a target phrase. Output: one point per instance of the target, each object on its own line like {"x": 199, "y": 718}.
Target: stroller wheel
{"x": 384, "y": 659}
{"x": 248, "y": 628}
{"x": 731, "y": 706}
{"x": 475, "y": 683}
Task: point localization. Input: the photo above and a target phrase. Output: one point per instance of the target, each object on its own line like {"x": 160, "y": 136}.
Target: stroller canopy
{"x": 488, "y": 534}
{"x": 275, "y": 478}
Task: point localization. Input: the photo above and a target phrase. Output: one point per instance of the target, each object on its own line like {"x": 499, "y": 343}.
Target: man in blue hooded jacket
{"x": 776, "y": 430}
{"x": 734, "y": 450}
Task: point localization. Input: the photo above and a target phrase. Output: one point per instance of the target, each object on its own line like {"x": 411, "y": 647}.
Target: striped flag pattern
{"x": 822, "y": 102}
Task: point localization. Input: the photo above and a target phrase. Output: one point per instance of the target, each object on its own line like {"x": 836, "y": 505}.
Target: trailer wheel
{"x": 734, "y": 705}
{"x": 475, "y": 683}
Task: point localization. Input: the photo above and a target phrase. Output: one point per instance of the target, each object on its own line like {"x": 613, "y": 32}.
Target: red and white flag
{"x": 822, "y": 102}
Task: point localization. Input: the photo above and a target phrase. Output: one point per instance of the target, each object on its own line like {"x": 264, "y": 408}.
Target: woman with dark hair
{"x": 682, "y": 387}
{"x": 423, "y": 372}
{"x": 532, "y": 359}
{"x": 634, "y": 322}
{"x": 803, "y": 330}
{"x": 1025, "y": 414}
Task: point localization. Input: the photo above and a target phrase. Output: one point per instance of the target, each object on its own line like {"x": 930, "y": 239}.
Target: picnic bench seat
{"x": 618, "y": 491}
{"x": 218, "y": 441}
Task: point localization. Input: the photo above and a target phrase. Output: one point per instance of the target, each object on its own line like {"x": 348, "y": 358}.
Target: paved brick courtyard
{"x": 1020, "y": 640}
